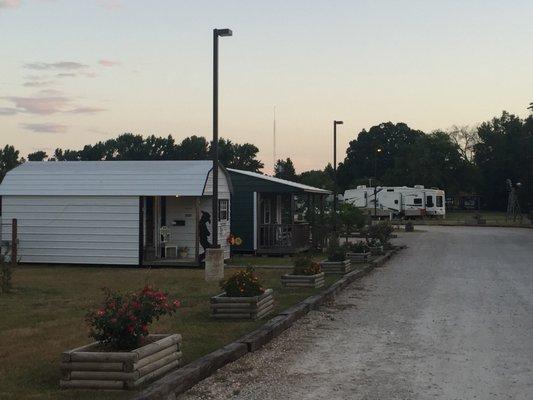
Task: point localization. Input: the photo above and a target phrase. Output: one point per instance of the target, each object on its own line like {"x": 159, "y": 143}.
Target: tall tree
{"x": 465, "y": 138}
{"x": 284, "y": 169}
{"x": 37, "y": 156}
{"x": 9, "y": 159}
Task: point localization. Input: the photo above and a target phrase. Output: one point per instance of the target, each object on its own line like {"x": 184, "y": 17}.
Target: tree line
{"x": 461, "y": 160}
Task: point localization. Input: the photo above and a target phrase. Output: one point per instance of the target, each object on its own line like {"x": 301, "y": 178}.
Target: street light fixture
{"x": 335, "y": 123}
{"x": 214, "y": 218}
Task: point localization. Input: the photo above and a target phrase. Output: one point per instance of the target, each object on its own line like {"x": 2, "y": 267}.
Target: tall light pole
{"x": 335, "y": 123}
{"x": 378, "y": 150}
{"x": 214, "y": 221}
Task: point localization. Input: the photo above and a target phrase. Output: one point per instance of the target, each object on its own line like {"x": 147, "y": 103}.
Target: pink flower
{"x": 176, "y": 303}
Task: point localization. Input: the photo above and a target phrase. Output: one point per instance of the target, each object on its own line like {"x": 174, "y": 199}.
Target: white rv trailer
{"x": 405, "y": 201}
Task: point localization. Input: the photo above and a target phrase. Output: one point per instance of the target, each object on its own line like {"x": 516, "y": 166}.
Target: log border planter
{"x": 313, "y": 281}
{"x": 87, "y": 368}
{"x": 377, "y": 251}
{"x": 256, "y": 307}
{"x": 336, "y": 267}
{"x": 358, "y": 257}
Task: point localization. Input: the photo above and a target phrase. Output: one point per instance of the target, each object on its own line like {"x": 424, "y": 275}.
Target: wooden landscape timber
{"x": 336, "y": 267}
{"x": 88, "y": 368}
{"x": 358, "y": 257}
{"x": 255, "y": 307}
{"x": 314, "y": 281}
{"x": 377, "y": 251}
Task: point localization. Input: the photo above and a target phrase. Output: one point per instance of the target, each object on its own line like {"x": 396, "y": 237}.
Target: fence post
{"x": 14, "y": 243}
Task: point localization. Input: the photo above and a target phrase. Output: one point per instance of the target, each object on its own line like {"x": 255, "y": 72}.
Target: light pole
{"x": 335, "y": 123}
{"x": 214, "y": 221}
{"x": 378, "y": 150}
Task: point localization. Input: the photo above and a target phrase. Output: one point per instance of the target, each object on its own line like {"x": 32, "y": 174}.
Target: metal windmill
{"x": 513, "y": 206}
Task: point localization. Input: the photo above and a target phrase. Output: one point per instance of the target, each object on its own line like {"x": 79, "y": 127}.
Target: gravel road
{"x": 451, "y": 317}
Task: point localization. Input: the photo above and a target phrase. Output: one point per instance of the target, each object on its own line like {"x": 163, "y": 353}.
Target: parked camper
{"x": 434, "y": 202}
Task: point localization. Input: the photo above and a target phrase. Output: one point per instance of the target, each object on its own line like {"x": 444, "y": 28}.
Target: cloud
{"x": 8, "y": 111}
{"x": 86, "y": 110}
{"x": 111, "y": 5}
{"x": 109, "y": 63}
{"x": 62, "y": 65}
{"x": 45, "y": 105}
{"x": 9, "y": 4}
{"x": 65, "y": 75}
{"x": 45, "y": 128}
{"x": 37, "y": 83}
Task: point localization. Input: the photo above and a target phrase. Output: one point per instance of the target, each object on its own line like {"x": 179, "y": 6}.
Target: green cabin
{"x": 269, "y": 214}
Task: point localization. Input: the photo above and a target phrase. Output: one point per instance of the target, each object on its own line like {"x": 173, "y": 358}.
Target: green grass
{"x": 245, "y": 260}
{"x": 44, "y": 315}
{"x": 491, "y": 217}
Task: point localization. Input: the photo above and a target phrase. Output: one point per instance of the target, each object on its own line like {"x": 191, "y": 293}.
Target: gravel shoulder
{"x": 451, "y": 317}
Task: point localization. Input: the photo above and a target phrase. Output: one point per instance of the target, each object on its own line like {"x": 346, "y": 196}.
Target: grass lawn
{"x": 45, "y": 316}
{"x": 492, "y": 218}
{"x": 245, "y": 260}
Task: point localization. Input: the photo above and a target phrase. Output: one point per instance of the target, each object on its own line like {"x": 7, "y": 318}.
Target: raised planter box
{"x": 224, "y": 307}
{"x": 358, "y": 257}
{"x": 336, "y": 267}
{"x": 314, "y": 281}
{"x": 89, "y": 367}
{"x": 377, "y": 251}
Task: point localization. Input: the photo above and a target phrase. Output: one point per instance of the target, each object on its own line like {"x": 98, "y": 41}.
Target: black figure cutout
{"x": 204, "y": 233}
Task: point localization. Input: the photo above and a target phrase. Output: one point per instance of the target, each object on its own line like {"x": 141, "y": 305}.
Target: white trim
{"x": 255, "y": 219}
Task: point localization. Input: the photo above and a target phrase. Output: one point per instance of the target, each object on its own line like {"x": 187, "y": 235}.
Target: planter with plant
{"x": 125, "y": 355}
{"x": 358, "y": 252}
{"x": 243, "y": 298}
{"x": 306, "y": 273}
{"x": 409, "y": 227}
{"x": 183, "y": 252}
{"x": 336, "y": 263}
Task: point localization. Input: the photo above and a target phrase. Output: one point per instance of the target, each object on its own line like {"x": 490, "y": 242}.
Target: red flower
{"x": 176, "y": 303}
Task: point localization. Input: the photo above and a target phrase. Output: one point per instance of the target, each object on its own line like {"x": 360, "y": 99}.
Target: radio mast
{"x": 274, "y": 142}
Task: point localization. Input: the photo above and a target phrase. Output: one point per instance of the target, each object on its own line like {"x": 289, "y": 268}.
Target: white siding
{"x": 184, "y": 209}
{"x": 223, "y": 185}
{"x": 74, "y": 229}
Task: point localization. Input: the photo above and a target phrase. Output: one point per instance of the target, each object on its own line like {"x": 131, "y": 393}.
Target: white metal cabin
{"x": 111, "y": 212}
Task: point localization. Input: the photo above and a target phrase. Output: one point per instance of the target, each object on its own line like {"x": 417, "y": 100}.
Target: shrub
{"x": 381, "y": 231}
{"x": 306, "y": 266}
{"x": 335, "y": 251}
{"x": 123, "y": 320}
{"x": 243, "y": 283}
{"x": 409, "y": 227}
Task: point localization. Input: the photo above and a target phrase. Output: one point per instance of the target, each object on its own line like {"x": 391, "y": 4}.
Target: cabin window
{"x": 395, "y": 201}
{"x": 223, "y": 210}
{"x": 429, "y": 202}
{"x": 439, "y": 201}
{"x": 417, "y": 202}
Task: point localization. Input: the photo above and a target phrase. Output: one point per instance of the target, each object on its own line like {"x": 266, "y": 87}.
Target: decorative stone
{"x": 314, "y": 281}
{"x": 88, "y": 367}
{"x": 255, "y": 307}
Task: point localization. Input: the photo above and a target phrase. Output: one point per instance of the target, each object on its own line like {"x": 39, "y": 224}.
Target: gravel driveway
{"x": 451, "y": 317}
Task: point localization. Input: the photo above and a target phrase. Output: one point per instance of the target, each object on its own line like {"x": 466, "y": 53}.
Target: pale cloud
{"x": 65, "y": 75}
{"x": 8, "y": 111}
{"x": 62, "y": 65}
{"x": 109, "y": 63}
{"x": 9, "y": 3}
{"x": 45, "y": 128}
{"x": 42, "y": 105}
{"x": 37, "y": 83}
{"x": 86, "y": 110}
{"x": 111, "y": 5}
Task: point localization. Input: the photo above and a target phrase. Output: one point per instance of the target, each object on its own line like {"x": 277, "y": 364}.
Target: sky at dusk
{"x": 77, "y": 72}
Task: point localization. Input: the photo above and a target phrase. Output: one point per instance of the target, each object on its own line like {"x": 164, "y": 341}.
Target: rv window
{"x": 395, "y": 201}
{"x": 429, "y": 202}
{"x": 417, "y": 202}
{"x": 390, "y": 190}
{"x": 439, "y": 201}
{"x": 223, "y": 210}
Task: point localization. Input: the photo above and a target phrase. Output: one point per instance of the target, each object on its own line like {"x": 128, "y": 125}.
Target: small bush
{"x": 381, "y": 232}
{"x": 306, "y": 266}
{"x": 335, "y": 251}
{"x": 358, "y": 247}
{"x": 409, "y": 227}
{"x": 242, "y": 283}
{"x": 123, "y": 320}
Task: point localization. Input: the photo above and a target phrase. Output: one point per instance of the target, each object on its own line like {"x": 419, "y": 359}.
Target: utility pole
{"x": 335, "y": 123}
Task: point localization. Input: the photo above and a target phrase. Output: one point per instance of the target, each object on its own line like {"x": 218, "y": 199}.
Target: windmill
{"x": 513, "y": 206}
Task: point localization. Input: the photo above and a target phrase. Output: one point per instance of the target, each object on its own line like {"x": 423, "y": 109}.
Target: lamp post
{"x": 214, "y": 221}
{"x": 335, "y": 123}
{"x": 378, "y": 150}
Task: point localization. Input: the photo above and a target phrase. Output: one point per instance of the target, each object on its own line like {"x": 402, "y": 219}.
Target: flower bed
{"x": 91, "y": 367}
{"x": 314, "y": 281}
{"x": 377, "y": 250}
{"x": 249, "y": 307}
{"x": 336, "y": 267}
{"x": 358, "y": 257}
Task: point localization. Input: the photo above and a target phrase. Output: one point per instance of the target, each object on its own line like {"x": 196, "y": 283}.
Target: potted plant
{"x": 183, "y": 252}
{"x": 125, "y": 355}
{"x": 336, "y": 263}
{"x": 378, "y": 236}
{"x": 306, "y": 273}
{"x": 358, "y": 252}
{"x": 243, "y": 298}
{"x": 409, "y": 227}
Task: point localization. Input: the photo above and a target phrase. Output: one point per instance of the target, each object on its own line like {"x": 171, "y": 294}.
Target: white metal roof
{"x": 305, "y": 188}
{"x": 107, "y": 178}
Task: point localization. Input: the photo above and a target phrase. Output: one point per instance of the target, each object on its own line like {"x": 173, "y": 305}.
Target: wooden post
{"x": 14, "y": 243}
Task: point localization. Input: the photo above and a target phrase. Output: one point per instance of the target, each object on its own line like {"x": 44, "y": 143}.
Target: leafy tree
{"x": 284, "y": 169}
{"x": 245, "y": 158}
{"x": 9, "y": 159}
{"x": 193, "y": 148}
{"x": 318, "y": 178}
{"x": 350, "y": 217}
{"x": 465, "y": 138}
{"x": 37, "y": 156}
